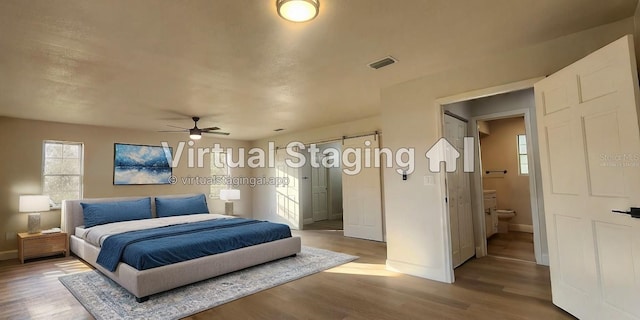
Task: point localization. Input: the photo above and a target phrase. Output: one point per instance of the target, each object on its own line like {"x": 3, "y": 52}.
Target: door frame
{"x": 533, "y": 183}
{"x": 478, "y": 228}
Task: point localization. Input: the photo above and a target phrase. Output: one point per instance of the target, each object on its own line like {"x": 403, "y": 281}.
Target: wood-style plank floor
{"x": 488, "y": 288}
{"x": 325, "y": 225}
{"x": 514, "y": 244}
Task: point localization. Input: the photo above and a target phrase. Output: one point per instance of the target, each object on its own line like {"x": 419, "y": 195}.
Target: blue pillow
{"x": 108, "y": 212}
{"x": 167, "y": 207}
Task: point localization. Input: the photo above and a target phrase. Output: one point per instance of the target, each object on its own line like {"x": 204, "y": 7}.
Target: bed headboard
{"x": 72, "y": 216}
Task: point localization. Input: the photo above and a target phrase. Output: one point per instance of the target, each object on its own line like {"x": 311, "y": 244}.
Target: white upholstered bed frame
{"x": 144, "y": 283}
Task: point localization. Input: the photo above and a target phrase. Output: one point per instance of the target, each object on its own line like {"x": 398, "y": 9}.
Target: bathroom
{"x": 505, "y": 181}
{"x": 498, "y": 124}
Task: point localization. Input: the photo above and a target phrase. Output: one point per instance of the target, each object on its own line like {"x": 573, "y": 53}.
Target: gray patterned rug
{"x": 105, "y": 299}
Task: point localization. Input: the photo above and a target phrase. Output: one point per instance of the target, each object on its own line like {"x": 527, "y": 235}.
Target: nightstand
{"x": 33, "y": 245}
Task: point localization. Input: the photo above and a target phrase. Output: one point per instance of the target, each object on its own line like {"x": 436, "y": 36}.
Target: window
{"x": 62, "y": 170}
{"x": 523, "y": 160}
{"x": 220, "y": 174}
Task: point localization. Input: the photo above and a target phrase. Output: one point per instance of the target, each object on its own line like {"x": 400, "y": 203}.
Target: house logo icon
{"x": 444, "y": 151}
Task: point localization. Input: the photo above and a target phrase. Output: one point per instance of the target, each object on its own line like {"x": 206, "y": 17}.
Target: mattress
{"x": 96, "y": 235}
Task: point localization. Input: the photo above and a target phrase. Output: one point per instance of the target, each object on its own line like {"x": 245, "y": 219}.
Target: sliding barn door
{"x": 361, "y": 196}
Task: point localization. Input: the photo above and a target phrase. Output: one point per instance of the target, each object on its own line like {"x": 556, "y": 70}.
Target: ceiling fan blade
{"x": 177, "y": 127}
{"x": 217, "y": 132}
{"x": 210, "y": 129}
{"x": 173, "y": 131}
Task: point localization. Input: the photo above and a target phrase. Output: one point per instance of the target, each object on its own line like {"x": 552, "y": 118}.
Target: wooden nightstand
{"x": 33, "y": 245}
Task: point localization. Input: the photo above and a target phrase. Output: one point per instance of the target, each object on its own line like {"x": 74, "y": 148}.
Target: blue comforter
{"x": 146, "y": 249}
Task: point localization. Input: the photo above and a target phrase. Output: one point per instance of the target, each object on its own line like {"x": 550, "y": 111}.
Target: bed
{"x": 151, "y": 278}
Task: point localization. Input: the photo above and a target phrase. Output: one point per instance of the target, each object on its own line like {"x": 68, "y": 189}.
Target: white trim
{"x": 470, "y": 95}
{"x": 417, "y": 270}
{"x": 521, "y": 227}
{"x": 544, "y": 259}
{"x": 533, "y": 191}
{"x": 493, "y": 91}
{"x": 8, "y": 255}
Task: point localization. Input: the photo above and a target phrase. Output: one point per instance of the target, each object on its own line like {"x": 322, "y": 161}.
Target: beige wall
{"x": 499, "y": 152}
{"x": 264, "y": 198}
{"x": 415, "y": 219}
{"x": 20, "y": 171}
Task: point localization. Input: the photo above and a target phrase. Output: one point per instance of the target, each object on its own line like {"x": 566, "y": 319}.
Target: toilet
{"x": 504, "y": 217}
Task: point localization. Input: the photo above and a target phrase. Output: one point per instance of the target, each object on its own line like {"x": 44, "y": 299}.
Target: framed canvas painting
{"x": 141, "y": 164}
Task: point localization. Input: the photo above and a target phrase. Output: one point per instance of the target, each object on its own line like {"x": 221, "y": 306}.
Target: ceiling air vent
{"x": 383, "y": 62}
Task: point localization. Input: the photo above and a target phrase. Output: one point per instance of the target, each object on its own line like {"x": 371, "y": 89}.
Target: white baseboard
{"x": 545, "y": 260}
{"x": 307, "y": 221}
{"x": 521, "y": 227}
{"x": 416, "y": 270}
{"x": 8, "y": 255}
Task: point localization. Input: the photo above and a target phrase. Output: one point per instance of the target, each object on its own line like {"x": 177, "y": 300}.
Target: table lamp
{"x": 229, "y": 195}
{"x": 34, "y": 204}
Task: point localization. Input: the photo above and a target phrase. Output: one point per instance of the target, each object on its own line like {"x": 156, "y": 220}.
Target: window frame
{"x": 519, "y": 154}
{"x": 80, "y": 175}
{"x": 227, "y": 170}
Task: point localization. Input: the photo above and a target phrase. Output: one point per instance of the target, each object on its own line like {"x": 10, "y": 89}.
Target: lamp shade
{"x": 34, "y": 203}
{"x": 230, "y": 194}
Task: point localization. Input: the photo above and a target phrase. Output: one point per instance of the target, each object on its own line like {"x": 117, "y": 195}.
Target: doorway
{"x": 324, "y": 192}
{"x": 504, "y": 163}
{"x": 509, "y": 101}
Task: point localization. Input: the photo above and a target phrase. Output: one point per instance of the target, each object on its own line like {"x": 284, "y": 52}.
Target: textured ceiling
{"x": 143, "y": 64}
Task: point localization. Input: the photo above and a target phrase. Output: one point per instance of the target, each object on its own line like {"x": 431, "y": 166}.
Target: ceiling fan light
{"x": 195, "y": 134}
{"x": 298, "y": 10}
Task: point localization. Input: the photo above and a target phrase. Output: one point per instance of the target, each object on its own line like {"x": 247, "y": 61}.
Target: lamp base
{"x": 34, "y": 223}
{"x": 228, "y": 208}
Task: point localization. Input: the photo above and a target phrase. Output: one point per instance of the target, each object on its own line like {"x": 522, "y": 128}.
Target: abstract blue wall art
{"x": 139, "y": 164}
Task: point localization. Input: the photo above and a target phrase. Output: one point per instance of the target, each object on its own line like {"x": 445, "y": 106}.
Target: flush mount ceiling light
{"x": 298, "y": 10}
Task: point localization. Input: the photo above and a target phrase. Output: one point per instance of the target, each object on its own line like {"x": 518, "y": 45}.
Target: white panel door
{"x": 319, "y": 199}
{"x": 590, "y": 160}
{"x": 361, "y": 195}
{"x": 459, "y": 197}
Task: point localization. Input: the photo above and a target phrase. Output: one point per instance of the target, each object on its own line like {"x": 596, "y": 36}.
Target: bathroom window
{"x": 523, "y": 159}
{"x": 62, "y": 171}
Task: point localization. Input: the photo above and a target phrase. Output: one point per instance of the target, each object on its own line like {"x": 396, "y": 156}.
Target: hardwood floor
{"x": 324, "y": 225}
{"x": 515, "y": 245}
{"x": 488, "y": 288}
{"x": 32, "y": 290}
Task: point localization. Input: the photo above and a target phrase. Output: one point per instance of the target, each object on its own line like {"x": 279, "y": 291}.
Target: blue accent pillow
{"x": 167, "y": 207}
{"x": 108, "y": 212}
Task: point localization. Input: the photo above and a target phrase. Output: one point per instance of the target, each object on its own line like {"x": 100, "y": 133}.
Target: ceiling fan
{"x": 195, "y": 133}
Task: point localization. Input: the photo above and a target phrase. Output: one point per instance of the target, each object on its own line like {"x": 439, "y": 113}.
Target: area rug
{"x": 105, "y": 299}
